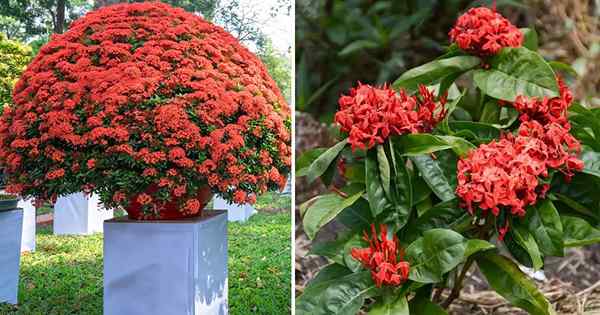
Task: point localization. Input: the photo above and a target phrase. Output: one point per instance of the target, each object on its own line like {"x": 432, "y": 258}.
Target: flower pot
{"x": 79, "y": 214}
{"x": 11, "y": 223}
{"x": 235, "y": 213}
{"x": 29, "y": 225}
{"x": 170, "y": 211}
{"x": 175, "y": 267}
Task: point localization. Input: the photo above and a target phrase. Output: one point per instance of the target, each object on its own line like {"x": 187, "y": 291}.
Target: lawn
{"x": 64, "y": 275}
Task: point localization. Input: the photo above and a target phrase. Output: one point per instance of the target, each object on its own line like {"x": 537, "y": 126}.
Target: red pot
{"x": 170, "y": 210}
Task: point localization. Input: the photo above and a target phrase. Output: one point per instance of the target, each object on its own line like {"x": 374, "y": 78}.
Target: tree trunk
{"x": 59, "y": 22}
{"x": 102, "y": 3}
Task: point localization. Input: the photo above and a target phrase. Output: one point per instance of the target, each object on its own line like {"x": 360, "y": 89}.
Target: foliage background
{"x": 341, "y": 42}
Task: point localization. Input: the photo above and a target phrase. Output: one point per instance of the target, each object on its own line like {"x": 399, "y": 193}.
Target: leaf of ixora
{"x": 384, "y": 171}
{"x": 305, "y": 160}
{"x": 394, "y": 307}
{"x": 543, "y": 222}
{"x": 378, "y": 201}
{"x": 435, "y": 71}
{"x": 323, "y": 209}
{"x": 484, "y": 132}
{"x": 444, "y": 125}
{"x": 402, "y": 189}
{"x": 530, "y": 38}
{"x": 510, "y": 282}
{"x": 527, "y": 242}
{"x": 320, "y": 164}
{"x": 328, "y": 273}
{"x": 421, "y": 305}
{"x": 344, "y": 295}
{"x": 433, "y": 174}
{"x": 445, "y": 215}
{"x": 578, "y": 232}
{"x": 439, "y": 251}
{"x": 424, "y": 143}
{"x": 516, "y": 71}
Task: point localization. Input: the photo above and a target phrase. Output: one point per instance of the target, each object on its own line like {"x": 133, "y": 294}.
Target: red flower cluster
{"x": 383, "y": 257}
{"x": 145, "y": 95}
{"x": 506, "y": 174}
{"x": 483, "y": 32}
{"x": 370, "y": 115}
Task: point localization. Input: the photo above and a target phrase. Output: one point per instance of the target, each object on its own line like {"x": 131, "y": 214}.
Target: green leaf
{"x": 397, "y": 307}
{"x": 323, "y": 209}
{"x": 578, "y": 232}
{"x": 434, "y": 176}
{"x": 384, "y": 170}
{"x": 434, "y": 72}
{"x": 344, "y": 295}
{"x": 434, "y": 254}
{"x": 516, "y": 71}
{"x": 357, "y": 46}
{"x": 402, "y": 186}
{"x": 543, "y": 222}
{"x": 444, "y": 125}
{"x": 445, "y": 215}
{"x": 490, "y": 113}
{"x": 329, "y": 272}
{"x": 375, "y": 192}
{"x": 424, "y": 143}
{"x": 510, "y": 282}
{"x": 320, "y": 164}
{"x": 527, "y": 242}
{"x": 421, "y": 305}
{"x": 306, "y": 159}
{"x": 484, "y": 132}
{"x": 530, "y": 38}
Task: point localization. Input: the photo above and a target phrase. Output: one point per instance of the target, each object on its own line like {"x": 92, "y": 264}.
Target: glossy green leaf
{"x": 320, "y": 164}
{"x": 544, "y": 224}
{"x": 424, "y": 143}
{"x": 516, "y": 71}
{"x": 399, "y": 306}
{"x": 435, "y": 71}
{"x": 530, "y": 40}
{"x": 490, "y": 113}
{"x": 434, "y": 254}
{"x": 329, "y": 272}
{"x": 376, "y": 196}
{"x": 578, "y": 232}
{"x": 527, "y": 242}
{"x": 447, "y": 215}
{"x": 434, "y": 176}
{"x": 384, "y": 171}
{"x": 444, "y": 125}
{"x": 484, "y": 132}
{"x": 306, "y": 159}
{"x": 323, "y": 209}
{"x": 510, "y": 282}
{"x": 421, "y": 305}
{"x": 344, "y": 295}
{"x": 402, "y": 186}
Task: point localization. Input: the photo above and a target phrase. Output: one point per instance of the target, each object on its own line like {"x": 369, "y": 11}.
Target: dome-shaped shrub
{"x": 147, "y": 105}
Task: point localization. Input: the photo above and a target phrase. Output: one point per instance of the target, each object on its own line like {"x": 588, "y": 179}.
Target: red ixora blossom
{"x": 482, "y": 31}
{"x": 153, "y": 94}
{"x": 507, "y": 174}
{"x": 370, "y": 114}
{"x": 383, "y": 257}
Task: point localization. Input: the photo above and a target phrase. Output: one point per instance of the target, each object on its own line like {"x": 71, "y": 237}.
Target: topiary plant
{"x": 152, "y": 108}
{"x": 441, "y": 173}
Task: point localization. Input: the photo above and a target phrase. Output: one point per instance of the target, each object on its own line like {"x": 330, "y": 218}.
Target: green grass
{"x": 64, "y": 275}
{"x": 272, "y": 201}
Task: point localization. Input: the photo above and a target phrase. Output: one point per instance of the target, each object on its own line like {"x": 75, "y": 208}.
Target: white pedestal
{"x": 11, "y": 223}
{"x": 79, "y": 214}
{"x": 235, "y": 213}
{"x": 28, "y": 236}
{"x": 166, "y": 267}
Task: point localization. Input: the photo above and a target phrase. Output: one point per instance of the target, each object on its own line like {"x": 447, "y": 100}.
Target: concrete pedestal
{"x": 11, "y": 224}
{"x": 166, "y": 267}
{"x": 235, "y": 213}
{"x": 28, "y": 236}
{"x": 79, "y": 214}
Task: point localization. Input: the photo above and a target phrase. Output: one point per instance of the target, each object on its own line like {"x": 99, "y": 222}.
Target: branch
{"x": 455, "y": 293}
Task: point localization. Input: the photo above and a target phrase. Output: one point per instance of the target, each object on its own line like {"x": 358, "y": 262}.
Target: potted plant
{"x": 440, "y": 174}
{"x": 155, "y": 110}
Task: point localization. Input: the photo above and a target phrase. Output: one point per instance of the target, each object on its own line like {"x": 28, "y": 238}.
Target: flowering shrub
{"x": 516, "y": 165}
{"x": 146, "y": 104}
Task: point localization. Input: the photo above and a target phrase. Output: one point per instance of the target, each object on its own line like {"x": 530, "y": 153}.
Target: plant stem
{"x": 455, "y": 293}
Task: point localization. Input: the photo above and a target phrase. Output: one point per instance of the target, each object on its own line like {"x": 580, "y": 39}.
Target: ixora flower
{"x": 383, "y": 257}
{"x": 150, "y": 107}
{"x": 483, "y": 32}
{"x": 370, "y": 114}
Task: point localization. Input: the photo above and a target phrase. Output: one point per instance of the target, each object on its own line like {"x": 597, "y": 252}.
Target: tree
{"x": 279, "y": 66}
{"x": 14, "y": 57}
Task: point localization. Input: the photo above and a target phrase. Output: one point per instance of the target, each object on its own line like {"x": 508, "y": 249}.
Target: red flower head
{"x": 148, "y": 92}
{"x": 383, "y": 257}
{"x": 483, "y": 32}
{"x": 370, "y": 115}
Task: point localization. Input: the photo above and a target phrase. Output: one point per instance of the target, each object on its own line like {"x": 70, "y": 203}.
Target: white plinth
{"x": 79, "y": 214}
{"x": 235, "y": 213}
{"x": 11, "y": 223}
{"x": 28, "y": 236}
{"x": 166, "y": 267}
